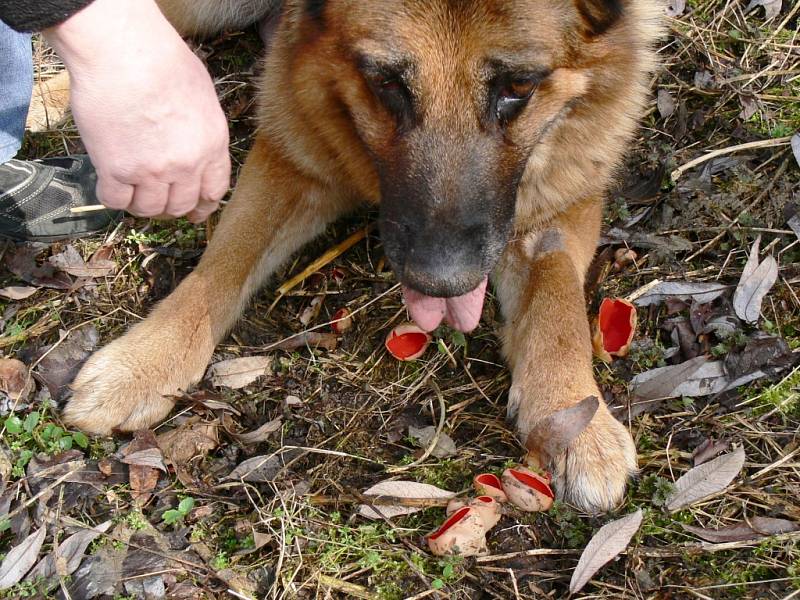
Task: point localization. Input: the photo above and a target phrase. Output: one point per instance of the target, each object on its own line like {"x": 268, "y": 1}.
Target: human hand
{"x": 146, "y": 109}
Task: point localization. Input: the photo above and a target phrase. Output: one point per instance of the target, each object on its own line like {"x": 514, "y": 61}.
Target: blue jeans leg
{"x": 16, "y": 85}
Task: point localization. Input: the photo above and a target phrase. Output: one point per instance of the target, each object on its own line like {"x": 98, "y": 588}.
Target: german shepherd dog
{"x": 486, "y": 130}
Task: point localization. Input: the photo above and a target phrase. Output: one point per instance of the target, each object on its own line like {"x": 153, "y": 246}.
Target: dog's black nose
{"x": 441, "y": 284}
{"x": 441, "y": 268}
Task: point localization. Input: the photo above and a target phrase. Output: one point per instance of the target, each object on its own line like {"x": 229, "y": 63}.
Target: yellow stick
{"x": 329, "y": 256}
{"x": 84, "y": 209}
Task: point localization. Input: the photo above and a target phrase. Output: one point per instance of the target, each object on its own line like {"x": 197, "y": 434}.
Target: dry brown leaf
{"x": 264, "y": 468}
{"x": 5, "y": 473}
{"x": 445, "y": 446}
{"x": 60, "y": 365}
{"x": 69, "y": 464}
{"x": 761, "y": 352}
{"x": 706, "y": 480}
{"x": 20, "y": 559}
{"x": 261, "y": 434}
{"x": 22, "y": 262}
{"x": 237, "y": 373}
{"x": 772, "y": 8}
{"x": 190, "y": 439}
{"x": 144, "y": 459}
{"x": 70, "y": 261}
{"x": 695, "y": 377}
{"x": 69, "y": 554}
{"x": 148, "y": 457}
{"x": 400, "y": 489}
{"x": 552, "y": 436}
{"x": 143, "y": 481}
{"x": 708, "y": 450}
{"x": 757, "y": 528}
{"x": 18, "y": 292}
{"x": 756, "y": 281}
{"x": 312, "y": 339}
{"x": 143, "y": 566}
{"x": 14, "y": 379}
{"x": 749, "y": 107}
{"x": 609, "y": 541}
{"x": 794, "y": 220}
{"x": 698, "y": 291}
{"x": 665, "y": 103}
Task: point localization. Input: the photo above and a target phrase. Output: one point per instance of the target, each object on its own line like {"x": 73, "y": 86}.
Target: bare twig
{"x": 782, "y": 141}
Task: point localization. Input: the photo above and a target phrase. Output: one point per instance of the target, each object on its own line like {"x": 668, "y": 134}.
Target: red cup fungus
{"x": 488, "y": 484}
{"x": 342, "y": 321}
{"x": 614, "y": 328}
{"x": 527, "y": 490}
{"x": 407, "y": 342}
{"x": 463, "y": 533}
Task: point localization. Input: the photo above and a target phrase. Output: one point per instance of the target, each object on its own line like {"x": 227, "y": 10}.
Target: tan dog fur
{"x": 313, "y": 161}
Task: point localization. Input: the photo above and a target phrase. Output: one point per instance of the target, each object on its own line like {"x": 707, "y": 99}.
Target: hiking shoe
{"x": 36, "y": 198}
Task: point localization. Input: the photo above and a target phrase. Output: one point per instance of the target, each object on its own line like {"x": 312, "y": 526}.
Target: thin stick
{"x": 351, "y": 589}
{"x": 435, "y": 440}
{"x": 676, "y": 174}
{"x": 665, "y": 552}
{"x": 329, "y": 256}
{"x": 79, "y": 465}
{"x": 87, "y": 209}
{"x": 321, "y": 500}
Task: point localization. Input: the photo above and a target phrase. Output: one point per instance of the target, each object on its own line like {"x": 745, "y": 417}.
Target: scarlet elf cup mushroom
{"x": 463, "y": 533}
{"x": 407, "y": 342}
{"x": 488, "y": 484}
{"x": 487, "y": 508}
{"x": 614, "y": 328}
{"x": 527, "y": 490}
{"x": 342, "y": 320}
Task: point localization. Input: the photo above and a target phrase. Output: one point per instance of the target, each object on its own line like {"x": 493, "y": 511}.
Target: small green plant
{"x": 176, "y": 515}
{"x": 459, "y": 339}
{"x": 24, "y": 589}
{"x": 136, "y": 520}
{"x": 783, "y": 396}
{"x": 658, "y": 488}
{"x": 573, "y": 529}
{"x": 451, "y": 572}
{"x": 34, "y": 434}
{"x": 199, "y": 533}
{"x": 220, "y": 561}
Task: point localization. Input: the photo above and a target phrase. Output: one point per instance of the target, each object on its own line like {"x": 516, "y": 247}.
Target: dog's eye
{"x": 512, "y": 96}
{"x": 391, "y": 86}
{"x": 392, "y": 93}
{"x": 518, "y": 89}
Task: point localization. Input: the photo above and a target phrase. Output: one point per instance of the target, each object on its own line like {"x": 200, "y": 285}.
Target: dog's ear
{"x": 599, "y": 15}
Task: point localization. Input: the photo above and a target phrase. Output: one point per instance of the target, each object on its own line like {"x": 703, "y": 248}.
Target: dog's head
{"x": 449, "y": 99}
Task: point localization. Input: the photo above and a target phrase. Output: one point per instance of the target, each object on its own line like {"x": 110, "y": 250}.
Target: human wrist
{"x": 106, "y": 28}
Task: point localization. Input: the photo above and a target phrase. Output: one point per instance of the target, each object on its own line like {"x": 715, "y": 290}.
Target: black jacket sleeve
{"x": 35, "y": 15}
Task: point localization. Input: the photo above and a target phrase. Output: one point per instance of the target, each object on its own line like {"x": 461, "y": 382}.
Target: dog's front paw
{"x": 590, "y": 454}
{"x": 114, "y": 391}
{"x": 130, "y": 384}
{"x": 595, "y": 469}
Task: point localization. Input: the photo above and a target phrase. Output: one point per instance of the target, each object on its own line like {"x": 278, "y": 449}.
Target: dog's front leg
{"x": 129, "y": 384}
{"x": 547, "y": 343}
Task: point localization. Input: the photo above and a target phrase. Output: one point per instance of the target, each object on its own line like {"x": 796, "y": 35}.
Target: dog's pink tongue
{"x": 461, "y": 312}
